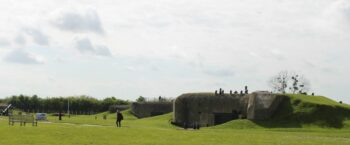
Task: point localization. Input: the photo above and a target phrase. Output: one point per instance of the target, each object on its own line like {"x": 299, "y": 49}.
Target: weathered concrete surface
{"x": 147, "y": 109}
{"x": 207, "y": 109}
{"x": 261, "y": 105}
{"x": 201, "y": 108}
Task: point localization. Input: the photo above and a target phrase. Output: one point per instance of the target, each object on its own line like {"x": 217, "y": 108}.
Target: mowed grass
{"x": 129, "y": 120}
{"x": 86, "y": 130}
{"x": 154, "y": 131}
{"x": 320, "y": 100}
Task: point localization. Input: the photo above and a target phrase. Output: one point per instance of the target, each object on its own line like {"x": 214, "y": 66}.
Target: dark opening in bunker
{"x": 220, "y": 118}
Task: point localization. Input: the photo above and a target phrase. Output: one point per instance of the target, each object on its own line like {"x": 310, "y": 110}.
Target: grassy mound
{"x": 312, "y": 110}
{"x": 160, "y": 121}
{"x": 297, "y": 111}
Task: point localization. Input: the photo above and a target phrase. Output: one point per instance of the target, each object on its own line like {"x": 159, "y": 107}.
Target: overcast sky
{"x": 128, "y": 48}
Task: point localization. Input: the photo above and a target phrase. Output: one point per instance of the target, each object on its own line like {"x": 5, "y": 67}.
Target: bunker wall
{"x": 147, "y": 109}
{"x": 205, "y": 109}
{"x": 262, "y": 105}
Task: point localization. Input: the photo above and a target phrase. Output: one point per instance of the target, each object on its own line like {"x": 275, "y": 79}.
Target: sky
{"x": 166, "y": 48}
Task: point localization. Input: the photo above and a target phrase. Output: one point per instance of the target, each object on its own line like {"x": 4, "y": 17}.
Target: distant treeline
{"x": 77, "y": 104}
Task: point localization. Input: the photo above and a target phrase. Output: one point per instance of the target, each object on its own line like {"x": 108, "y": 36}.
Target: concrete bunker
{"x": 208, "y": 109}
{"x": 148, "y": 109}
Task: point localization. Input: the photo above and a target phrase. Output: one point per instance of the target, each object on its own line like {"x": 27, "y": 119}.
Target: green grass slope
{"x": 129, "y": 120}
{"x": 301, "y": 111}
{"x": 312, "y": 110}
{"x": 90, "y": 119}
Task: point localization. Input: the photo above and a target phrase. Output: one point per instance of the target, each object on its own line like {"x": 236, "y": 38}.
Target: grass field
{"x": 86, "y": 130}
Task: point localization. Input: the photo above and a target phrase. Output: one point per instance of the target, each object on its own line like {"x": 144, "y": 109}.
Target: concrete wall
{"x": 262, "y": 105}
{"x": 201, "y": 108}
{"x": 147, "y": 109}
{"x": 207, "y": 109}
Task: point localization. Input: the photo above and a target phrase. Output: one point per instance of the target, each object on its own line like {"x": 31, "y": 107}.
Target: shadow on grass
{"x": 295, "y": 113}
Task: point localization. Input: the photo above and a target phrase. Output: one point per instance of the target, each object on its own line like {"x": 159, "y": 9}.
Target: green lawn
{"x": 156, "y": 130}
{"x": 86, "y": 130}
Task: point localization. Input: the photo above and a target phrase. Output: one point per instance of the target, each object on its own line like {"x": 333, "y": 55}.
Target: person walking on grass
{"x": 119, "y": 118}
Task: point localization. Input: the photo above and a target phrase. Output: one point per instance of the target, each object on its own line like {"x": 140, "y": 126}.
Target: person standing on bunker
{"x": 119, "y": 118}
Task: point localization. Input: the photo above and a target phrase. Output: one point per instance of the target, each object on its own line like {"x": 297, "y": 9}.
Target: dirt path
{"x": 79, "y": 124}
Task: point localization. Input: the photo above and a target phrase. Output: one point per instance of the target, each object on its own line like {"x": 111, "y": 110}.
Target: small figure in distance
{"x": 119, "y": 118}
{"x": 60, "y": 116}
{"x": 246, "y": 90}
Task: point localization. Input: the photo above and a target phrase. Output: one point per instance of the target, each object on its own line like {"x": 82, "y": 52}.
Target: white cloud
{"x": 23, "y": 57}
{"x": 277, "y": 54}
{"x": 166, "y": 45}
{"x": 337, "y": 15}
{"x": 20, "y": 40}
{"x": 343, "y": 7}
{"x": 4, "y": 42}
{"x": 79, "y": 21}
{"x": 85, "y": 46}
{"x": 221, "y": 72}
{"x": 37, "y": 35}
{"x": 103, "y": 50}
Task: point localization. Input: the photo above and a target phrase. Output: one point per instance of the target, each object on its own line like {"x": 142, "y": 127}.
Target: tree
{"x": 284, "y": 80}
{"x": 279, "y": 82}
{"x": 141, "y": 99}
{"x": 77, "y": 104}
{"x": 299, "y": 84}
{"x": 35, "y": 105}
